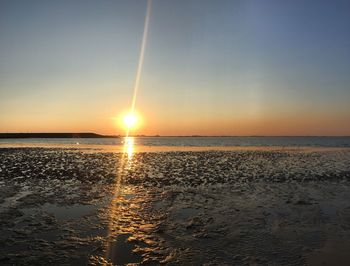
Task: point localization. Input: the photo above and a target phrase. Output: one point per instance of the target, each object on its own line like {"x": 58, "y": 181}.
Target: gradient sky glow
{"x": 211, "y": 67}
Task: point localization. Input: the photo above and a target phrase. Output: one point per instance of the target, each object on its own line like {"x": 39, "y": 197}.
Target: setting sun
{"x": 130, "y": 120}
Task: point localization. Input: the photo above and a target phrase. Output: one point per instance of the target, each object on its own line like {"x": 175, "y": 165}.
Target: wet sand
{"x": 213, "y": 206}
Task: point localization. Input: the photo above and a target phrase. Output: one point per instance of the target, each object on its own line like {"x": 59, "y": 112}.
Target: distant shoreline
{"x": 52, "y": 135}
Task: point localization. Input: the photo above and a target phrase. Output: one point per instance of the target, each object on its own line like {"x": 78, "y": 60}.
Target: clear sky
{"x": 213, "y": 67}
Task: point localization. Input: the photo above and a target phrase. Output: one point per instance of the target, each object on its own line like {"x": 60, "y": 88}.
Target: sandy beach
{"x": 69, "y": 206}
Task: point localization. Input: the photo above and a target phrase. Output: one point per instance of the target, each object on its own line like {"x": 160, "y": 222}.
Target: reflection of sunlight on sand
{"x": 114, "y": 210}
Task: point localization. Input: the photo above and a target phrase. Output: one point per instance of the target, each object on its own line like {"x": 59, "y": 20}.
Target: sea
{"x": 307, "y": 141}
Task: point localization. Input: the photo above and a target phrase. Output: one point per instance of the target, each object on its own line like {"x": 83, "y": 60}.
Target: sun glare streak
{"x": 114, "y": 209}
{"x": 130, "y": 120}
{"x": 142, "y": 55}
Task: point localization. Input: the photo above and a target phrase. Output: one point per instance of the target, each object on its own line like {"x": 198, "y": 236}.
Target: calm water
{"x": 198, "y": 141}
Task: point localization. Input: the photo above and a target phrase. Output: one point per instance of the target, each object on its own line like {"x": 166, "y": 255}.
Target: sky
{"x": 211, "y": 67}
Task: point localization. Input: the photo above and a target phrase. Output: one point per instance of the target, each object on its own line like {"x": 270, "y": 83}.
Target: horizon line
{"x": 155, "y": 135}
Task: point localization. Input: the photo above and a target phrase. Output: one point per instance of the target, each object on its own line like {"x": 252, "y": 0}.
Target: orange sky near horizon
{"x": 151, "y": 124}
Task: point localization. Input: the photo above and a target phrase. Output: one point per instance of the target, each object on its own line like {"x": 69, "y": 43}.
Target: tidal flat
{"x": 68, "y": 206}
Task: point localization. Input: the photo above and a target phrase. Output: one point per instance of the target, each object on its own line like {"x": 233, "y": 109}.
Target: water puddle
{"x": 186, "y": 213}
{"x": 75, "y": 211}
{"x": 334, "y": 252}
{"x": 121, "y": 251}
{"x": 12, "y": 201}
{"x": 62, "y": 213}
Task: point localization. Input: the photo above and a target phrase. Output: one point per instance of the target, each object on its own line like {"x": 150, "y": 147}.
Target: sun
{"x": 130, "y": 120}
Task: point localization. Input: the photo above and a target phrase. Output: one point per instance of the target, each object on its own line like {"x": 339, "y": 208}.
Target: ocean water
{"x": 195, "y": 141}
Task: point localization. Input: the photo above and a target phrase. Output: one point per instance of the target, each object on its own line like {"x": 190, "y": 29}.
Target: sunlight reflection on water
{"x": 116, "y": 210}
{"x": 129, "y": 146}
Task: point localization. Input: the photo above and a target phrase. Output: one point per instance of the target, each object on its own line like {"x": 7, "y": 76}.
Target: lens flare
{"x": 142, "y": 54}
{"x": 130, "y": 120}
